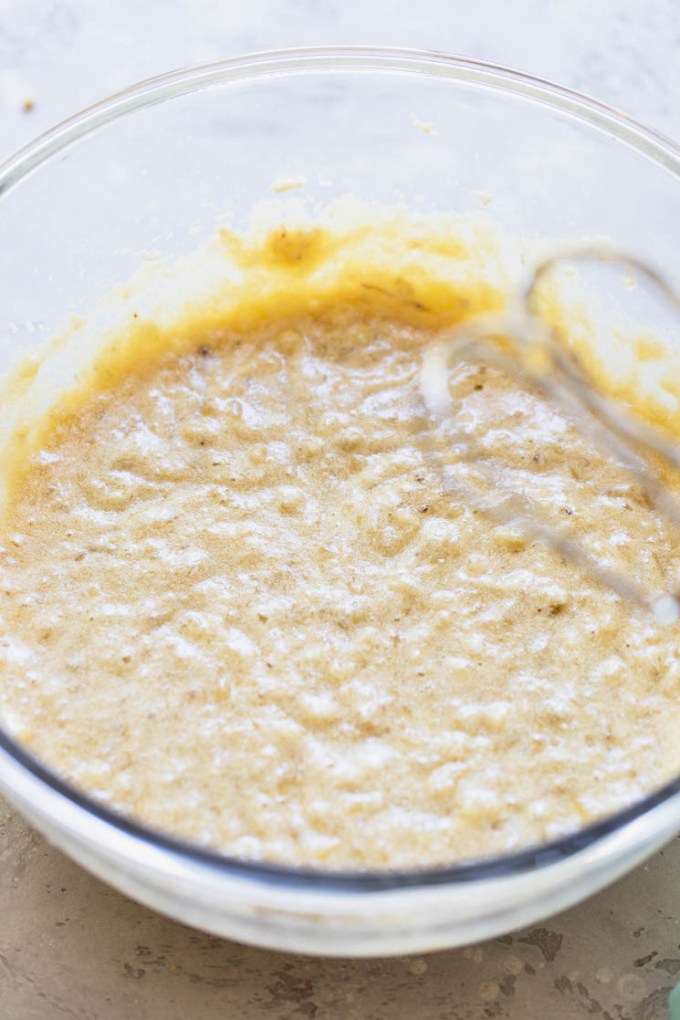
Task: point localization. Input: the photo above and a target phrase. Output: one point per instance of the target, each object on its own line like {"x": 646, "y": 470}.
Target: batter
{"x": 237, "y": 605}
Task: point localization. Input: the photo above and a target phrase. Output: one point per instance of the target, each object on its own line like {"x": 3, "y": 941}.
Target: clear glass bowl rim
{"x": 348, "y": 59}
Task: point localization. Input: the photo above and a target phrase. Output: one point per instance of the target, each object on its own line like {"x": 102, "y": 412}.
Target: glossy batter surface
{"x": 237, "y": 603}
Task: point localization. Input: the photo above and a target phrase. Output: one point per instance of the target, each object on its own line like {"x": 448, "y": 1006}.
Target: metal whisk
{"x": 521, "y": 344}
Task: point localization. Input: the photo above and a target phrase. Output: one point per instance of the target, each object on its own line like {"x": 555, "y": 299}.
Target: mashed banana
{"x": 237, "y": 604}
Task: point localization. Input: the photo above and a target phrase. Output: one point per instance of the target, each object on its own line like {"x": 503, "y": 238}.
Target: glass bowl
{"x": 151, "y": 171}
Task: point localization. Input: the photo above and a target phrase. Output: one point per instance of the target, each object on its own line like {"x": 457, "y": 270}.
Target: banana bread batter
{"x": 237, "y": 604}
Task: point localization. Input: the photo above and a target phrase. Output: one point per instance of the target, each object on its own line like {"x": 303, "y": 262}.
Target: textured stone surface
{"x": 69, "y": 946}
{"x": 64, "y": 54}
{"x": 72, "y": 947}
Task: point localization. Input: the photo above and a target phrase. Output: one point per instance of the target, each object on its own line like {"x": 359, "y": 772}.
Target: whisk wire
{"x": 523, "y": 346}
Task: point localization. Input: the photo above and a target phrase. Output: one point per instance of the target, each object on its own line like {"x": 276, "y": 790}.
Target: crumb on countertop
{"x": 288, "y": 184}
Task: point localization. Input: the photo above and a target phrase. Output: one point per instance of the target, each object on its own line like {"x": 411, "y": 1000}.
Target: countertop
{"x": 70, "y": 946}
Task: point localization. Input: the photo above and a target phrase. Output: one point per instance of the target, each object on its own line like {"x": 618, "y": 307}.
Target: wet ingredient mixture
{"x": 238, "y": 605}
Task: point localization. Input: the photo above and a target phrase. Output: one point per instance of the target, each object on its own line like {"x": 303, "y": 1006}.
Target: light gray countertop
{"x": 71, "y": 947}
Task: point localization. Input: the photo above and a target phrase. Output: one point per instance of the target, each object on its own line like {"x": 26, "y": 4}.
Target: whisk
{"x": 524, "y": 346}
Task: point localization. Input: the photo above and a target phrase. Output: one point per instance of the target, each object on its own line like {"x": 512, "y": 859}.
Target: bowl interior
{"x": 152, "y": 174}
